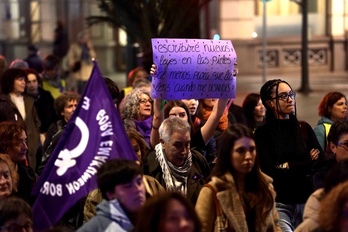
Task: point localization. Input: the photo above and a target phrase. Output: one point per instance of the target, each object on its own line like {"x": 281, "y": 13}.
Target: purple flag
{"x": 93, "y": 135}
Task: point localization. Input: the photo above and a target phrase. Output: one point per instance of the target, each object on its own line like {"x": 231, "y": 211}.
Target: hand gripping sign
{"x": 193, "y": 68}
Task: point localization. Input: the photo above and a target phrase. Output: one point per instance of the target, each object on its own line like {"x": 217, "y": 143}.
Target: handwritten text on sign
{"x": 193, "y": 68}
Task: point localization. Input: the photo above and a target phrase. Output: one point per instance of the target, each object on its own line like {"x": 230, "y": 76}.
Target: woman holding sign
{"x": 206, "y": 131}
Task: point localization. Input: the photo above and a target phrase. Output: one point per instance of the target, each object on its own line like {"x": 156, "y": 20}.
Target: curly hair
{"x": 6, "y": 159}
{"x": 326, "y": 104}
{"x": 130, "y": 109}
{"x": 10, "y": 134}
{"x": 332, "y": 207}
{"x": 63, "y": 99}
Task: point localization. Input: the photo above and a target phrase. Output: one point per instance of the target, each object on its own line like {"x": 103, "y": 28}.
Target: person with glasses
{"x": 332, "y": 107}
{"x": 338, "y": 139}
{"x": 287, "y": 149}
{"x": 137, "y": 111}
{"x": 15, "y": 215}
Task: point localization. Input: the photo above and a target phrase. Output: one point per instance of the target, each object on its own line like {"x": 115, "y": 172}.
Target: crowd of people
{"x": 203, "y": 164}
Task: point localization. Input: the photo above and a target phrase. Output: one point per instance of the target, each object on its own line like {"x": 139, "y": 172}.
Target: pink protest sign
{"x": 193, "y": 68}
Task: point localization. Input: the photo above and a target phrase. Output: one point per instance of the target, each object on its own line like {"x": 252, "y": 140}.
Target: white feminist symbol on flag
{"x": 66, "y": 158}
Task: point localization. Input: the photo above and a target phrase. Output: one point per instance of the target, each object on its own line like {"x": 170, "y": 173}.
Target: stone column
{"x": 237, "y": 19}
{"x": 337, "y": 27}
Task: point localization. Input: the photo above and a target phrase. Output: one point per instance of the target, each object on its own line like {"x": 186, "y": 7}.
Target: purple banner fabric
{"x": 193, "y": 68}
{"x": 93, "y": 135}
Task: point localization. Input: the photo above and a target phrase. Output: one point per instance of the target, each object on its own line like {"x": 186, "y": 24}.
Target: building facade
{"x": 244, "y": 22}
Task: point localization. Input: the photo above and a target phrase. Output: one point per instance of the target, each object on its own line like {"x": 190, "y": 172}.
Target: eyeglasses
{"x": 144, "y": 101}
{"x": 344, "y": 145}
{"x": 17, "y": 228}
{"x": 285, "y": 96}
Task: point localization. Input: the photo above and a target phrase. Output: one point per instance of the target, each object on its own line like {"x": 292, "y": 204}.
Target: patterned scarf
{"x": 174, "y": 177}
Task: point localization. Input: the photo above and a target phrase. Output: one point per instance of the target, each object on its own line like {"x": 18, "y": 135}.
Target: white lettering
{"x": 104, "y": 123}
{"x": 106, "y": 143}
{"x": 66, "y": 158}
{"x": 74, "y": 186}
{"x": 70, "y": 188}
{"x": 51, "y": 189}
{"x": 91, "y": 170}
{"x": 86, "y": 104}
{"x": 100, "y": 114}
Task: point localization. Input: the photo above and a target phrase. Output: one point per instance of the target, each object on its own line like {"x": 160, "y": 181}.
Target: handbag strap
{"x": 216, "y": 202}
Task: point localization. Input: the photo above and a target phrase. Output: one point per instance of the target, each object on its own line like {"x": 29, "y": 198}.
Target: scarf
{"x": 144, "y": 127}
{"x": 174, "y": 177}
{"x": 223, "y": 122}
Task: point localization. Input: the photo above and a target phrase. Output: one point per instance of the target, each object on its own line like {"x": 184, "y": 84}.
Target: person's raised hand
{"x": 153, "y": 69}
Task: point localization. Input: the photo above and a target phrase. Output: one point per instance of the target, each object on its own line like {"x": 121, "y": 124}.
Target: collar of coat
{"x": 230, "y": 201}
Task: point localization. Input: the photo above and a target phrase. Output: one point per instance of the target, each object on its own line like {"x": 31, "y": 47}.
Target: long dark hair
{"x": 261, "y": 198}
{"x": 266, "y": 94}
{"x": 249, "y": 104}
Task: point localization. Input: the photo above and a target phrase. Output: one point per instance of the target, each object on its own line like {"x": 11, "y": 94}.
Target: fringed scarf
{"x": 174, "y": 177}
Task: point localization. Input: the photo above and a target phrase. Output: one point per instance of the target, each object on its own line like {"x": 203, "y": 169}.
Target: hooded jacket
{"x": 320, "y": 132}
{"x": 110, "y": 217}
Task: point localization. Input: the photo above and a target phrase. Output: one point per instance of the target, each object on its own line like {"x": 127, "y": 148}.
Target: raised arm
{"x": 157, "y": 115}
{"x": 209, "y": 127}
{"x": 156, "y": 122}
